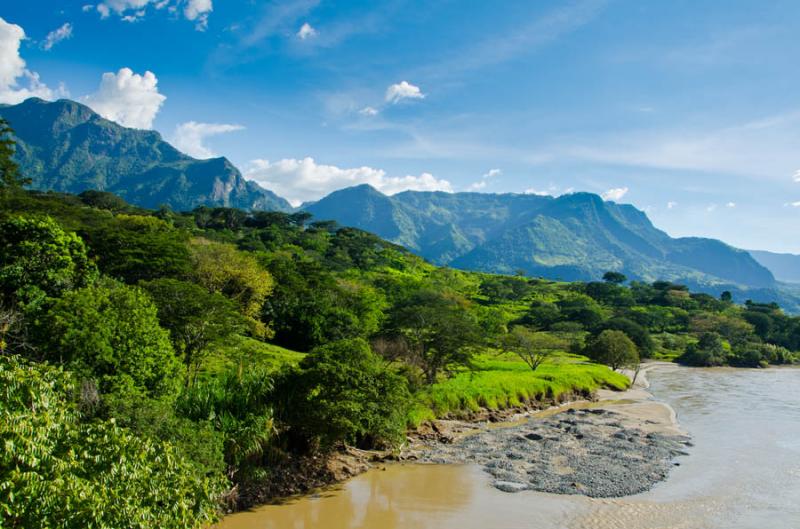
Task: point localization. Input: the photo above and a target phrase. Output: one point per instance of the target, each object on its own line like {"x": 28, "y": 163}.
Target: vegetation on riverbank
{"x": 193, "y": 352}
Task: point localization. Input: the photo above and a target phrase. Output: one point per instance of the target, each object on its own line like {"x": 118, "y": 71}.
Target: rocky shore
{"x": 623, "y": 444}
{"x": 589, "y": 451}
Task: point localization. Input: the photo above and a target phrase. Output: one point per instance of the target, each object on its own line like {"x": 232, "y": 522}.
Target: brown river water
{"x": 743, "y": 472}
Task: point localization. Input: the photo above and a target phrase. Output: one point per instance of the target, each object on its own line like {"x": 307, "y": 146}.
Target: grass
{"x": 505, "y": 381}
{"x": 495, "y": 382}
{"x": 244, "y": 351}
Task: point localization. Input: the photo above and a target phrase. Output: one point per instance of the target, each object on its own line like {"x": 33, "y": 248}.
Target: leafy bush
{"x": 110, "y": 333}
{"x": 39, "y": 259}
{"x": 58, "y": 472}
{"x": 342, "y": 392}
{"x": 708, "y": 351}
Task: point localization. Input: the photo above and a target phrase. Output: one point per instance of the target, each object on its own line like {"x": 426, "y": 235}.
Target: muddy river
{"x": 743, "y": 472}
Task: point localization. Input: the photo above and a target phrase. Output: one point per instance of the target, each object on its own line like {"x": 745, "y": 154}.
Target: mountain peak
{"x": 65, "y": 146}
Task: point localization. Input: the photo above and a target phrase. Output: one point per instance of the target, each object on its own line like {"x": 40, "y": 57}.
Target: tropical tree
{"x": 614, "y": 349}
{"x": 532, "y": 347}
{"x": 10, "y": 177}
{"x": 223, "y": 269}
{"x": 440, "y": 331}
{"x": 614, "y": 277}
{"x": 134, "y": 248}
{"x": 195, "y": 318}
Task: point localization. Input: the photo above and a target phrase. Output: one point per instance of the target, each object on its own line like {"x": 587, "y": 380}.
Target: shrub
{"x": 39, "y": 259}
{"x": 709, "y": 351}
{"x": 342, "y": 392}
{"x": 110, "y": 333}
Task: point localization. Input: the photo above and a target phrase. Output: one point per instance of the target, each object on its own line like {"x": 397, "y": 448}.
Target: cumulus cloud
{"x": 369, "y": 111}
{"x": 17, "y": 83}
{"x": 796, "y": 176}
{"x": 196, "y": 11}
{"x": 190, "y": 137}
{"x": 128, "y": 98}
{"x": 711, "y": 208}
{"x": 56, "y": 36}
{"x": 671, "y": 205}
{"x": 306, "y": 31}
{"x": 303, "y": 180}
{"x": 614, "y": 194}
{"x": 730, "y": 205}
{"x": 793, "y": 204}
{"x": 403, "y": 90}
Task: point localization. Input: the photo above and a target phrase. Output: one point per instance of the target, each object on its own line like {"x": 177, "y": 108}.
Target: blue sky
{"x": 689, "y": 110}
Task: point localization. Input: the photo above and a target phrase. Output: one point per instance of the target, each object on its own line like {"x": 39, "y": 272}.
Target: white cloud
{"x": 306, "y": 31}
{"x": 551, "y": 191}
{"x": 480, "y": 184}
{"x": 796, "y": 176}
{"x": 711, "y": 208}
{"x": 793, "y": 204}
{"x": 190, "y": 137}
{"x": 369, "y": 111}
{"x": 730, "y": 205}
{"x": 303, "y": 180}
{"x": 615, "y": 194}
{"x": 403, "y": 90}
{"x": 132, "y": 10}
{"x": 87, "y": 7}
{"x": 14, "y": 74}
{"x": 198, "y": 11}
{"x": 128, "y": 98}
{"x": 57, "y": 35}
{"x": 534, "y": 191}
{"x": 671, "y": 204}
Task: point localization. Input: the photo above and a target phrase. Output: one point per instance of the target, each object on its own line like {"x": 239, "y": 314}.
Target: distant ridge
{"x": 572, "y": 237}
{"x": 784, "y": 266}
{"x": 65, "y": 146}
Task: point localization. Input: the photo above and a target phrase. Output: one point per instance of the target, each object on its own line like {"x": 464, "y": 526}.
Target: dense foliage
{"x": 190, "y": 352}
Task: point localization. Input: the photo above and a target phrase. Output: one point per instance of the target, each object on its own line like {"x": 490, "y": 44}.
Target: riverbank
{"x": 604, "y": 443}
{"x": 620, "y": 445}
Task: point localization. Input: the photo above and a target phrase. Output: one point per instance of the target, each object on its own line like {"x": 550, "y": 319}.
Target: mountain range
{"x": 578, "y": 236}
{"x": 64, "y": 146}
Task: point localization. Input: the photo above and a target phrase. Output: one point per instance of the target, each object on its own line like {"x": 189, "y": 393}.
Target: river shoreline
{"x": 646, "y": 431}
{"x": 620, "y": 445}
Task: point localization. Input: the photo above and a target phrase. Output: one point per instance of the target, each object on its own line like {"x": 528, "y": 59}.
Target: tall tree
{"x": 223, "y": 269}
{"x": 195, "y": 319}
{"x": 614, "y": 349}
{"x": 10, "y": 177}
{"x": 532, "y": 347}
{"x": 440, "y": 330}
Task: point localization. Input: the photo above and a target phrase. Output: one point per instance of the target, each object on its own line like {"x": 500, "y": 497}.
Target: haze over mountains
{"x": 64, "y": 146}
